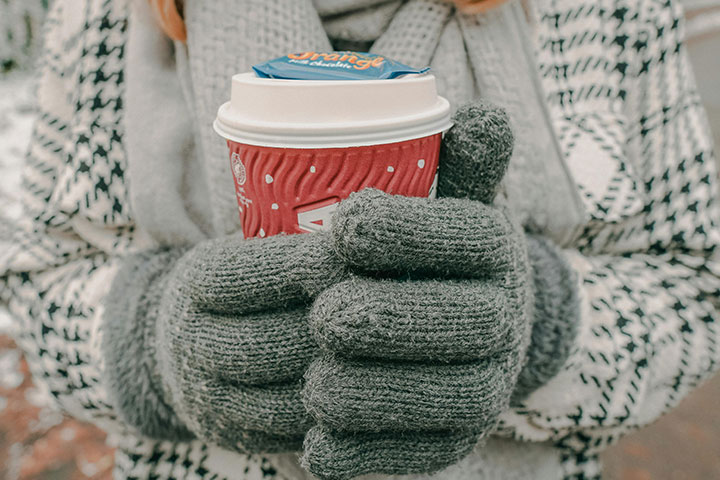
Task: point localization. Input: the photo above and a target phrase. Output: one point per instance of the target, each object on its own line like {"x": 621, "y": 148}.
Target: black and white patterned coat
{"x": 634, "y": 136}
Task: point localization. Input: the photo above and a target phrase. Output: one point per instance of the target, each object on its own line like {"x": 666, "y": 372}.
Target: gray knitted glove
{"x": 214, "y": 343}
{"x": 424, "y": 349}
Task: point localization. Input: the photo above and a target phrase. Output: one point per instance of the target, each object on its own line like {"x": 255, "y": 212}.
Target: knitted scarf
{"x": 487, "y": 56}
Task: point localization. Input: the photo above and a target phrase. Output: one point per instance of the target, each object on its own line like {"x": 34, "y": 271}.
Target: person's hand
{"x": 225, "y": 342}
{"x": 233, "y": 340}
{"x": 212, "y": 343}
{"x": 422, "y": 350}
{"x": 233, "y": 337}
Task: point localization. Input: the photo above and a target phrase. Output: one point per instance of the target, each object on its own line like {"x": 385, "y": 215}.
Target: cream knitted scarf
{"x": 486, "y": 56}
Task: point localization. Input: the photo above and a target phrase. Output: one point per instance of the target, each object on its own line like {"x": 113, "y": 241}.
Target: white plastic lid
{"x": 331, "y": 113}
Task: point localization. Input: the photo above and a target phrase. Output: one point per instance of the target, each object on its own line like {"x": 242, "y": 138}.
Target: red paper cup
{"x": 297, "y": 148}
{"x": 295, "y": 190}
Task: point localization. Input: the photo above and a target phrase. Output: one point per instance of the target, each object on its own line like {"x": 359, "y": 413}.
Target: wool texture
{"x": 557, "y": 308}
{"x": 363, "y": 25}
{"x": 426, "y": 355}
{"x": 176, "y": 213}
{"x": 448, "y": 237}
{"x": 219, "y": 340}
{"x": 456, "y": 310}
{"x": 356, "y": 454}
{"x": 383, "y": 396}
{"x": 135, "y": 382}
{"x": 438, "y": 341}
{"x": 434, "y": 320}
{"x": 475, "y": 153}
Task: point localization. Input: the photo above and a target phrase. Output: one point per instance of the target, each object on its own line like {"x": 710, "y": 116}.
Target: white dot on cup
{"x": 421, "y": 163}
{"x": 262, "y": 233}
{"x": 313, "y": 169}
{"x": 391, "y": 169}
{"x": 269, "y": 178}
{"x": 275, "y": 206}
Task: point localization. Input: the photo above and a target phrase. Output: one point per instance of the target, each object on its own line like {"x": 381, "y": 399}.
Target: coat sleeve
{"x": 76, "y": 224}
{"x": 76, "y": 233}
{"x": 649, "y": 283}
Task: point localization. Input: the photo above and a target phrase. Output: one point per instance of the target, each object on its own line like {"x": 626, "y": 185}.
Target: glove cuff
{"x": 128, "y": 345}
{"x": 556, "y": 316}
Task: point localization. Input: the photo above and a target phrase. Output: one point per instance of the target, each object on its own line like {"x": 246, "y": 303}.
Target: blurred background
{"x": 38, "y": 443}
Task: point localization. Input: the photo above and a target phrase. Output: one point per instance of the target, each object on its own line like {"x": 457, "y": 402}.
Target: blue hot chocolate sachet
{"x": 334, "y": 66}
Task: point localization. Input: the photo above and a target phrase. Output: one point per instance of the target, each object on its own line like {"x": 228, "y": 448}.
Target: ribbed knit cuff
{"x": 128, "y": 345}
{"x": 556, "y": 316}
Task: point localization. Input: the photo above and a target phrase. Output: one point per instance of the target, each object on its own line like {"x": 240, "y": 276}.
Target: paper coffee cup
{"x": 299, "y": 147}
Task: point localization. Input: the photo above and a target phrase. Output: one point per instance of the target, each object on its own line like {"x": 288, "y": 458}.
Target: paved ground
{"x": 37, "y": 442}
{"x": 683, "y": 445}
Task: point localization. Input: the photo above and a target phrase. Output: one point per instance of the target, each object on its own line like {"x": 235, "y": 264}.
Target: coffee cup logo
{"x": 238, "y": 169}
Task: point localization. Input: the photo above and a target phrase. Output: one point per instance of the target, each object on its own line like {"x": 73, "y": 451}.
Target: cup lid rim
{"x": 305, "y": 113}
{"x": 305, "y": 140}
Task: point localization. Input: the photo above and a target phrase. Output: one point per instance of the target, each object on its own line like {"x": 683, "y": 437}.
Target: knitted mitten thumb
{"x": 474, "y": 159}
